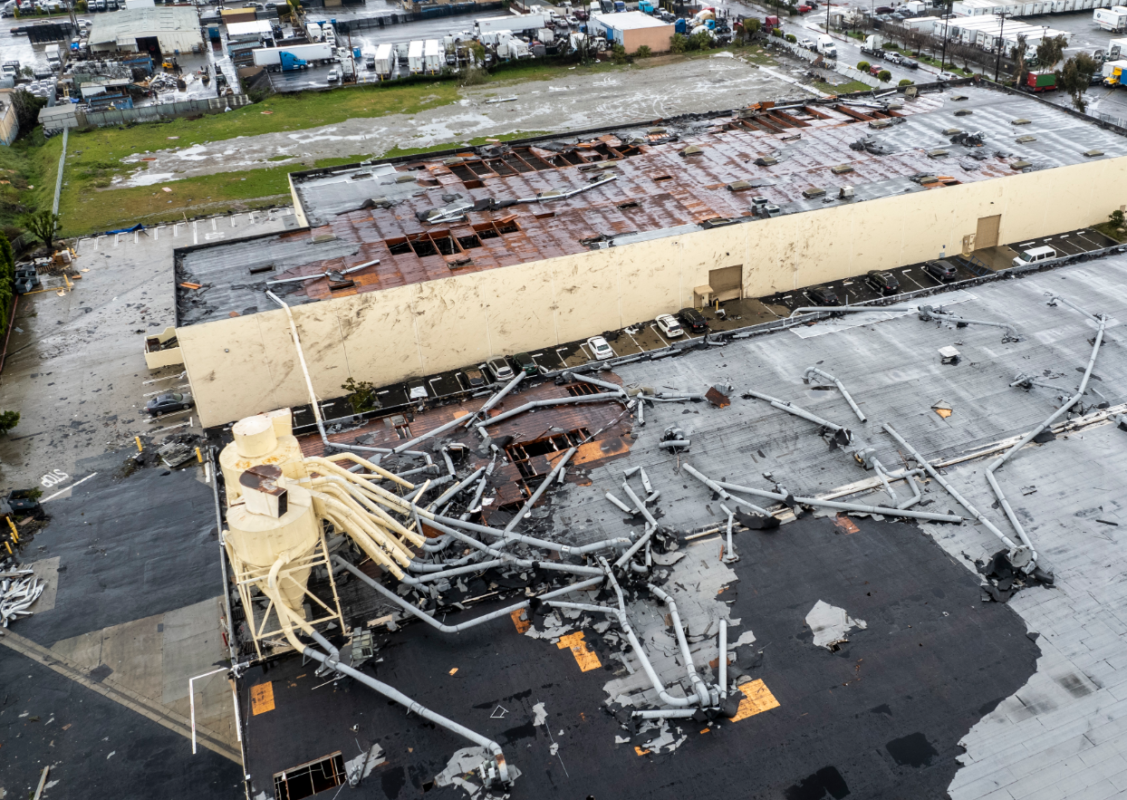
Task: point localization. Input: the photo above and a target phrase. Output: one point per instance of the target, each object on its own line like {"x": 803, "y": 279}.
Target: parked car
{"x": 823, "y": 296}
{"x": 167, "y": 403}
{"x": 669, "y": 326}
{"x": 875, "y": 70}
{"x": 334, "y": 75}
{"x": 882, "y": 10}
{"x": 472, "y": 379}
{"x": 883, "y": 282}
{"x": 893, "y": 57}
{"x": 941, "y": 270}
{"x": 807, "y": 43}
{"x": 499, "y": 368}
{"x": 526, "y": 364}
{"x": 693, "y": 320}
{"x": 599, "y": 348}
{"x": 805, "y": 9}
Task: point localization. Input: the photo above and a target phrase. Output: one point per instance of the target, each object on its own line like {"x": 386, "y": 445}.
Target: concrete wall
{"x": 9, "y": 124}
{"x": 657, "y": 39}
{"x": 245, "y": 365}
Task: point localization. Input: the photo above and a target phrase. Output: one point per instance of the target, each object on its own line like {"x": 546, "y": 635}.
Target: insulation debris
{"x": 830, "y": 625}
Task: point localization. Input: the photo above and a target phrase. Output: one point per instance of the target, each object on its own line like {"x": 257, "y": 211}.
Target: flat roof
{"x": 630, "y": 20}
{"x": 143, "y": 22}
{"x": 935, "y": 687}
{"x": 645, "y": 187}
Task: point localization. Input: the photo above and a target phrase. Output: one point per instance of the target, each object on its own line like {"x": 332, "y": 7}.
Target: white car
{"x": 669, "y": 326}
{"x": 599, "y": 348}
{"x": 807, "y": 43}
{"x": 334, "y": 75}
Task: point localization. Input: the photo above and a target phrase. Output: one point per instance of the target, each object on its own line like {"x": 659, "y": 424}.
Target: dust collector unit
{"x": 261, "y": 439}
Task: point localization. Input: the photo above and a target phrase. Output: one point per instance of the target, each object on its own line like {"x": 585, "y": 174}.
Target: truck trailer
{"x": 1111, "y": 19}
{"x": 1040, "y": 82}
{"x": 415, "y": 62}
{"x": 271, "y": 57}
{"x": 385, "y": 61}
{"x": 513, "y": 22}
{"x": 434, "y": 58}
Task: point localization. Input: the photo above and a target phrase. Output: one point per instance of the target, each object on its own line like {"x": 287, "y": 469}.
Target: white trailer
{"x": 433, "y": 57}
{"x": 513, "y": 22}
{"x": 309, "y": 53}
{"x": 385, "y": 60}
{"x": 1116, "y": 49}
{"x": 1111, "y": 19}
{"x": 415, "y": 61}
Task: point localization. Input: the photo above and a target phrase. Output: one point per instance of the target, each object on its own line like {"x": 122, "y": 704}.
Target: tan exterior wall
{"x": 657, "y": 39}
{"x": 245, "y": 365}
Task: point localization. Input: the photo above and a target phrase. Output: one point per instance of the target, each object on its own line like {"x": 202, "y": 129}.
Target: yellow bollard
{"x": 138, "y": 440}
{"x": 199, "y": 455}
{"x": 15, "y": 534}
{"x": 9, "y": 548}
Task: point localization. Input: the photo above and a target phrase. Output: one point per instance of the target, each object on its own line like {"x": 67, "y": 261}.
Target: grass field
{"x": 843, "y": 88}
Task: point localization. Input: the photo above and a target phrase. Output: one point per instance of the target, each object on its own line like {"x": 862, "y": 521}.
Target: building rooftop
{"x": 630, "y": 20}
{"x": 128, "y": 24}
{"x": 935, "y": 689}
{"x": 432, "y": 217}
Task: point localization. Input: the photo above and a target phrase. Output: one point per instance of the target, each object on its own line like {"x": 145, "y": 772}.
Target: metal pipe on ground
{"x": 601, "y": 397}
{"x": 711, "y": 484}
{"x": 837, "y": 506}
{"x": 790, "y": 408}
{"x": 852, "y": 309}
{"x": 494, "y": 400}
{"x": 723, "y": 665}
{"x": 544, "y": 484}
{"x": 575, "y": 376}
{"x": 507, "y": 538}
{"x": 928, "y": 313}
{"x": 697, "y": 681}
{"x": 840, "y": 387}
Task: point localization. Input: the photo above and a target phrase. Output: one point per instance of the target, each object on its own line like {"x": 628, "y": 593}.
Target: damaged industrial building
{"x": 846, "y": 528}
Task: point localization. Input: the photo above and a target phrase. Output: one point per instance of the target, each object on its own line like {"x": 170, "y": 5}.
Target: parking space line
{"x": 116, "y": 239}
{"x": 213, "y": 223}
{"x": 195, "y": 232}
{"x": 654, "y": 328}
{"x": 156, "y": 233}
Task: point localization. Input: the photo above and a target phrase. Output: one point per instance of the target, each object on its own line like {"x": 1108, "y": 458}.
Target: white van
{"x": 1034, "y": 255}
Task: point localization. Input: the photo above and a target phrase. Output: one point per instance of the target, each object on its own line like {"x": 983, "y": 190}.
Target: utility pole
{"x": 1001, "y": 45}
{"x": 946, "y": 22}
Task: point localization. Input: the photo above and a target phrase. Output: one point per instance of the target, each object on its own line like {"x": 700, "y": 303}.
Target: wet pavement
{"x": 76, "y": 369}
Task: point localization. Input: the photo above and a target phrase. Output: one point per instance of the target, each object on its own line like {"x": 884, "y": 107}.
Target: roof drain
{"x": 937, "y": 314}
{"x": 814, "y": 371}
{"x": 1028, "y": 560}
{"x": 841, "y": 436}
{"x": 313, "y": 397}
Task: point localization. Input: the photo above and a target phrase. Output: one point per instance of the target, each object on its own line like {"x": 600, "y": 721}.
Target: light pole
{"x": 946, "y": 22}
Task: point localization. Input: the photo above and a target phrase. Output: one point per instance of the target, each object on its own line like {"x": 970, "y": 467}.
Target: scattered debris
{"x": 830, "y": 625}
{"x": 18, "y": 594}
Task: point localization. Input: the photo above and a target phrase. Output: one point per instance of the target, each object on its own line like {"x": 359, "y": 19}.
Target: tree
{"x": 790, "y": 37}
{"x": 7, "y": 280}
{"x": 884, "y": 76}
{"x": 1018, "y": 55}
{"x": 27, "y": 108}
{"x": 1076, "y": 76}
{"x": 1116, "y": 218}
{"x": 8, "y": 420}
{"x": 43, "y": 225}
{"x": 752, "y": 25}
{"x": 361, "y": 396}
{"x": 1050, "y": 51}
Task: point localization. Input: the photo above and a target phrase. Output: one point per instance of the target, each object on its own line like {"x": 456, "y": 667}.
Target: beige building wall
{"x": 657, "y": 39}
{"x": 245, "y": 365}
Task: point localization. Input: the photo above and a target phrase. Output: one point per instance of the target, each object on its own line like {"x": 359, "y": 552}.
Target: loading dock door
{"x": 726, "y": 283}
{"x": 150, "y": 45}
{"x": 987, "y": 234}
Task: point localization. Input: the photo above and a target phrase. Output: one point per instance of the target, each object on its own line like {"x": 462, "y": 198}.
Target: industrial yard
{"x": 418, "y": 403}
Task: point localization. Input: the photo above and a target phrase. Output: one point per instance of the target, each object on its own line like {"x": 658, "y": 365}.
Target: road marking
{"x": 166, "y": 378}
{"x": 116, "y": 239}
{"x": 211, "y": 237}
{"x": 172, "y": 427}
{"x": 213, "y": 223}
{"x": 156, "y": 233}
{"x": 233, "y": 221}
{"x": 195, "y": 233}
{"x": 68, "y": 488}
{"x": 584, "y": 655}
{"x": 53, "y": 478}
{"x": 120, "y": 694}
{"x": 136, "y": 236}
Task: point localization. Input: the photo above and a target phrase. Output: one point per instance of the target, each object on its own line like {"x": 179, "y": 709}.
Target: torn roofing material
{"x": 517, "y": 203}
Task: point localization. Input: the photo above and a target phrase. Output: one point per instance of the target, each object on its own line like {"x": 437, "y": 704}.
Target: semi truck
{"x": 385, "y": 61}
{"x": 433, "y": 57}
{"x": 415, "y": 62}
{"x": 826, "y": 46}
{"x": 306, "y": 54}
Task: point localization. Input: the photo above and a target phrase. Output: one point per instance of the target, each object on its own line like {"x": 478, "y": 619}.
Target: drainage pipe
{"x": 790, "y": 408}
{"x": 698, "y": 682}
{"x": 544, "y": 484}
{"x": 840, "y": 387}
{"x": 729, "y": 548}
{"x": 494, "y": 400}
{"x": 601, "y": 397}
{"x": 958, "y": 498}
{"x": 645, "y": 512}
{"x": 884, "y": 480}
{"x": 634, "y": 548}
{"x": 836, "y": 506}
{"x": 1001, "y": 460}
{"x": 711, "y": 484}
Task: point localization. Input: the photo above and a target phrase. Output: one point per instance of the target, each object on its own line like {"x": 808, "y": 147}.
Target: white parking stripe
{"x": 195, "y": 233}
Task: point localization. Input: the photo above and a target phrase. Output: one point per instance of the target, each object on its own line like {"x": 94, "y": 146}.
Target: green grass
{"x": 843, "y": 88}
{"x": 1107, "y": 230}
{"x": 20, "y": 170}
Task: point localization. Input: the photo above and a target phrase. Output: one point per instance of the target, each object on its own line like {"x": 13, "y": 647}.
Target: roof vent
{"x": 936, "y": 153}
{"x": 766, "y": 161}
{"x": 691, "y": 150}
{"x": 841, "y": 169}
{"x": 1094, "y": 153}
{"x": 963, "y": 112}
{"x": 1026, "y": 139}
{"x": 1020, "y": 165}
{"x": 739, "y": 186}
{"x": 1021, "y": 121}
{"x": 813, "y": 192}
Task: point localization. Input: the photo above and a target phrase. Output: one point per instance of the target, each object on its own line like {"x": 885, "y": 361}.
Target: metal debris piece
{"x": 674, "y": 439}
{"x": 949, "y": 355}
{"x": 942, "y": 409}
{"x": 830, "y": 625}
{"x": 717, "y": 398}
{"x": 17, "y": 595}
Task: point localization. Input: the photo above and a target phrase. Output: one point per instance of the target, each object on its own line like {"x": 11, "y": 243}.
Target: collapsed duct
{"x": 836, "y": 434}
{"x": 938, "y": 314}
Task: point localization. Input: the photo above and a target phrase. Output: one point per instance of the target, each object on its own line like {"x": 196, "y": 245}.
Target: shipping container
{"x": 1040, "y": 82}
{"x": 415, "y": 61}
{"x": 385, "y": 60}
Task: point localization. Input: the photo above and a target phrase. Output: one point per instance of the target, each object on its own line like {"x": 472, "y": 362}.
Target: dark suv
{"x": 693, "y": 320}
{"x": 823, "y": 296}
{"x": 883, "y": 282}
{"x": 941, "y": 270}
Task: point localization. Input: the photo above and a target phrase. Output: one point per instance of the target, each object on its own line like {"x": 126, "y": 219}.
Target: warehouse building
{"x": 632, "y": 30}
{"x": 160, "y": 32}
{"x": 411, "y": 267}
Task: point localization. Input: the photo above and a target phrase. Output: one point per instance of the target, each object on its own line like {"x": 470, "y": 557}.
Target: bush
{"x": 1116, "y": 218}
{"x": 751, "y": 24}
{"x": 81, "y": 6}
{"x": 618, "y": 53}
{"x": 905, "y": 82}
{"x": 968, "y": 71}
{"x": 777, "y": 32}
{"x": 790, "y": 37}
{"x": 472, "y": 76}
{"x": 884, "y": 75}
{"x": 863, "y": 66}
{"x": 678, "y": 44}
{"x": 8, "y": 420}
{"x": 643, "y": 52}
{"x": 700, "y": 41}
{"x": 888, "y": 46}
